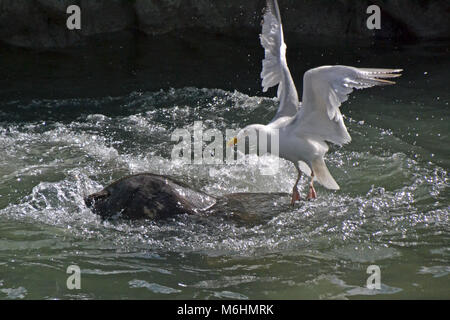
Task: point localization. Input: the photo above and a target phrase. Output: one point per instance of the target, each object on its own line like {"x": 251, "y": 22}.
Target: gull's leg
{"x": 295, "y": 193}
{"x": 312, "y": 192}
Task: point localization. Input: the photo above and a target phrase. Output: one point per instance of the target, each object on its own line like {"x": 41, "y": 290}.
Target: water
{"x": 72, "y": 121}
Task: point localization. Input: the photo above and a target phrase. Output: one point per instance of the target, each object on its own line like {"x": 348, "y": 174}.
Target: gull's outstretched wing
{"x": 324, "y": 90}
{"x": 275, "y": 70}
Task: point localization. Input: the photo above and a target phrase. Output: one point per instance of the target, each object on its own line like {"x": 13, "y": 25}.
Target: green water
{"x": 72, "y": 121}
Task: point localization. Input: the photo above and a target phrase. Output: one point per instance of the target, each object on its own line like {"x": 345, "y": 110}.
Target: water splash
{"x": 388, "y": 200}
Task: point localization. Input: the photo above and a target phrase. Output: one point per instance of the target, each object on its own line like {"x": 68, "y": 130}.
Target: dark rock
{"x": 42, "y": 23}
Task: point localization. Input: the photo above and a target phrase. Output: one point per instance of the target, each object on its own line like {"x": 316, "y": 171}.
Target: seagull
{"x": 304, "y": 128}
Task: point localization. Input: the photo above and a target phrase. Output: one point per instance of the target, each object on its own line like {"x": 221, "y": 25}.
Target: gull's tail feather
{"x": 322, "y": 174}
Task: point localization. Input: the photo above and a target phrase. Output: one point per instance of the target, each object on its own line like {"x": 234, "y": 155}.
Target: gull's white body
{"x": 306, "y": 127}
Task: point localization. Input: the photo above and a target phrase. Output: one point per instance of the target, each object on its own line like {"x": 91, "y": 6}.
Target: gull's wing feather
{"x": 325, "y": 89}
{"x": 275, "y": 70}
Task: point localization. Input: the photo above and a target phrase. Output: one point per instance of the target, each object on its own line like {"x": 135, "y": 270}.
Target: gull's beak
{"x": 232, "y": 142}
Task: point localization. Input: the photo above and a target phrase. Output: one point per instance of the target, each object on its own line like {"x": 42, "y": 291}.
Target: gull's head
{"x": 251, "y": 130}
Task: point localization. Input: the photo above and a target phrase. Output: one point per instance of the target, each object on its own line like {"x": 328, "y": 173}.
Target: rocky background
{"x": 42, "y": 23}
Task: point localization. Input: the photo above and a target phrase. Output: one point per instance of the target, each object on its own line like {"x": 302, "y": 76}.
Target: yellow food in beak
{"x": 232, "y": 142}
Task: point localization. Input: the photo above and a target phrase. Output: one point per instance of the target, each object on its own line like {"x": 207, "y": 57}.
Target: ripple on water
{"x": 388, "y": 200}
{"x": 153, "y": 287}
{"x": 14, "y": 293}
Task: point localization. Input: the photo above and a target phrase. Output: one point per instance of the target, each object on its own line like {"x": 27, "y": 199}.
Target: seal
{"x": 148, "y": 196}
{"x": 157, "y": 197}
